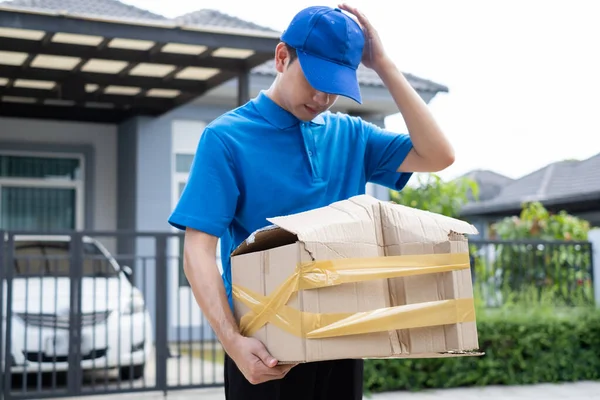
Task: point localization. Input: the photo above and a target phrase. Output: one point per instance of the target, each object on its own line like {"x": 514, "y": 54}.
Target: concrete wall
{"x": 153, "y": 200}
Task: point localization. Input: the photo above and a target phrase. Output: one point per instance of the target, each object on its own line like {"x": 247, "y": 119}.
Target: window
{"x": 182, "y": 279}
{"x": 41, "y": 192}
{"x": 183, "y": 162}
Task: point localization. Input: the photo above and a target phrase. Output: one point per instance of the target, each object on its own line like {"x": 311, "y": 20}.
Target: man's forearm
{"x": 428, "y": 140}
{"x": 207, "y": 286}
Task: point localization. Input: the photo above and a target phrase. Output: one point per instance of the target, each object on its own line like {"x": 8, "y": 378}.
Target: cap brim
{"x": 330, "y": 77}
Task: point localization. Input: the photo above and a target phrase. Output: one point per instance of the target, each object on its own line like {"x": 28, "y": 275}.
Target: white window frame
{"x": 55, "y": 183}
{"x": 178, "y": 177}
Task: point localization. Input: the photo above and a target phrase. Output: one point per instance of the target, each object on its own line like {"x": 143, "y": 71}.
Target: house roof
{"x": 490, "y": 183}
{"x": 113, "y": 60}
{"x": 110, "y": 61}
{"x": 105, "y": 8}
{"x": 216, "y": 18}
{"x": 367, "y": 78}
{"x": 558, "y": 183}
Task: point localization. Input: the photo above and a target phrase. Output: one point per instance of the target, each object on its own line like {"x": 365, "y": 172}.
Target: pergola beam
{"x": 123, "y": 101}
{"x": 45, "y": 74}
{"x": 107, "y": 53}
{"x": 156, "y": 89}
{"x": 83, "y": 114}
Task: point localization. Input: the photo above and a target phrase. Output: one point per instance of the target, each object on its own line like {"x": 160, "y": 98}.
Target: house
{"x": 102, "y": 105}
{"x": 570, "y": 185}
{"x": 489, "y": 184}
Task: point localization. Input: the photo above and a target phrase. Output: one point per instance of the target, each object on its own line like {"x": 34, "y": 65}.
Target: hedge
{"x": 522, "y": 346}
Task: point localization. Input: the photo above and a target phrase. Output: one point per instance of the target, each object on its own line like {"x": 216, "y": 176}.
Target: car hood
{"x": 49, "y": 295}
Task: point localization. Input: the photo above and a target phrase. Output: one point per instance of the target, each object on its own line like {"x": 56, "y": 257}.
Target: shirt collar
{"x": 276, "y": 115}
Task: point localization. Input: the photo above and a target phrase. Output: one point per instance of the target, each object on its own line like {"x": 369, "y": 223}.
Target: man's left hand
{"x": 374, "y": 55}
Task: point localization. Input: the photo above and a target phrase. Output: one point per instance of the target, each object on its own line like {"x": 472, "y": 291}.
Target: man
{"x": 284, "y": 152}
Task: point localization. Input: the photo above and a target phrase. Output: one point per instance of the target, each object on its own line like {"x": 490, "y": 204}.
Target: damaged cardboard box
{"x": 360, "y": 278}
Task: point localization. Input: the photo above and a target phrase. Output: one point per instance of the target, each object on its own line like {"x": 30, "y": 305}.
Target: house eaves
{"x": 557, "y": 184}
{"x": 367, "y": 78}
{"x": 71, "y": 64}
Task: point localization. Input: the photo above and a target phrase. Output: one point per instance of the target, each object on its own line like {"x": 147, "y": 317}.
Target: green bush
{"x": 521, "y": 345}
{"x": 559, "y": 265}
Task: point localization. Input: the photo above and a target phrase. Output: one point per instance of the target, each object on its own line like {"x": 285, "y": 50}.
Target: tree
{"x": 547, "y": 253}
{"x": 535, "y": 222}
{"x": 435, "y": 195}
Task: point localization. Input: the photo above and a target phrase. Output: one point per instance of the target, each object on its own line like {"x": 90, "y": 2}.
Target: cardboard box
{"x": 359, "y": 278}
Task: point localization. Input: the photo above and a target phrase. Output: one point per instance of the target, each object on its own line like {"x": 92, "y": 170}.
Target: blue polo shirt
{"x": 260, "y": 161}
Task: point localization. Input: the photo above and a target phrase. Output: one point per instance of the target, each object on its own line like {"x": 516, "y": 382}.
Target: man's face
{"x": 295, "y": 93}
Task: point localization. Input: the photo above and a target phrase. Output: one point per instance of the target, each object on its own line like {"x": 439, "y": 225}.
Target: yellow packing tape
{"x": 316, "y": 274}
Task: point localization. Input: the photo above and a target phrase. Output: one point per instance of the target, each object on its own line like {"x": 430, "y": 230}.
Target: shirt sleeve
{"x": 384, "y": 153}
{"x": 209, "y": 199}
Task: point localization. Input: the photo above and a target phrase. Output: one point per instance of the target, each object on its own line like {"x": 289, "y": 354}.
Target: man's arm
{"x": 431, "y": 150}
{"x": 200, "y": 268}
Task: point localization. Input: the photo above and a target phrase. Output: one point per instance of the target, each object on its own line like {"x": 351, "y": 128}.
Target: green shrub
{"x": 521, "y": 345}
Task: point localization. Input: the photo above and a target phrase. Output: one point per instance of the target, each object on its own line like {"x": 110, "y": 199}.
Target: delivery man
{"x": 281, "y": 153}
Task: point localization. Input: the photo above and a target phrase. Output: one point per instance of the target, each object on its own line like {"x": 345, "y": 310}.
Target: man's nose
{"x": 321, "y": 98}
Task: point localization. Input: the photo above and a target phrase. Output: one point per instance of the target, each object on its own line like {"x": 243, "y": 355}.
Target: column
{"x": 594, "y": 238}
{"x": 243, "y": 94}
{"x": 372, "y": 189}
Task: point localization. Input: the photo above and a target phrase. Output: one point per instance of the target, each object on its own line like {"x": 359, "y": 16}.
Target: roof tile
{"x": 217, "y": 18}
{"x": 563, "y": 179}
{"x": 106, "y": 8}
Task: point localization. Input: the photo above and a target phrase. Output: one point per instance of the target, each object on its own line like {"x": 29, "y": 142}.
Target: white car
{"x": 116, "y": 326}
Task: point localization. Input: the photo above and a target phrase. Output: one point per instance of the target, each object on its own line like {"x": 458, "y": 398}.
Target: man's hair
{"x": 292, "y": 52}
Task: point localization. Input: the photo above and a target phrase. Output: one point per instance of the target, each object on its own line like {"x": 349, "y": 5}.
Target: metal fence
{"x": 556, "y": 273}
{"x": 91, "y": 313}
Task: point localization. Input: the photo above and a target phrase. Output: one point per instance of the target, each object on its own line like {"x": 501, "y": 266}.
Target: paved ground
{"x": 571, "y": 391}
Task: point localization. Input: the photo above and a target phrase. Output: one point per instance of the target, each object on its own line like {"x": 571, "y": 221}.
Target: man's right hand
{"x": 254, "y": 361}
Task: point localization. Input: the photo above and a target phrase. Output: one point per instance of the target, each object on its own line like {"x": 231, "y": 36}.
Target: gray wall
{"x": 146, "y": 161}
{"x": 126, "y": 185}
{"x": 153, "y": 203}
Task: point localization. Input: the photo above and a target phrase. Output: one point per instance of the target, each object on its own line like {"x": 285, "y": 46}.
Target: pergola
{"x": 89, "y": 68}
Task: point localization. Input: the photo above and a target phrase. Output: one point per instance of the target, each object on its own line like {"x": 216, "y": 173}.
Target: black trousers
{"x": 322, "y": 380}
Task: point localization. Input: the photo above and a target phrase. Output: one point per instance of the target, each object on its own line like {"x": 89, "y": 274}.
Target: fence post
{"x": 74, "y": 373}
{"x": 594, "y": 239}
{"x": 2, "y": 266}
{"x": 162, "y": 320}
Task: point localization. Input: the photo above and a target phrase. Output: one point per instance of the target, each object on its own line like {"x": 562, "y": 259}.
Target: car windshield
{"x": 47, "y": 258}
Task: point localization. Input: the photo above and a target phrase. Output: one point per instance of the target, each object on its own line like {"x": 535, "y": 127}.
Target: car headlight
{"x": 134, "y": 305}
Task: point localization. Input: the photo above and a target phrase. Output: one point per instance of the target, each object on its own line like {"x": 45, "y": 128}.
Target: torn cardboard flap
{"x": 360, "y": 220}
{"x": 359, "y": 278}
{"x": 335, "y": 229}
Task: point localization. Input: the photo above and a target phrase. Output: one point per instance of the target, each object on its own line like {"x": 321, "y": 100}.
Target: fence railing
{"x": 91, "y": 313}
{"x": 558, "y": 272}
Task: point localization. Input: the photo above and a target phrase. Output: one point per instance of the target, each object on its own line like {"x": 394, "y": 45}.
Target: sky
{"x": 523, "y": 76}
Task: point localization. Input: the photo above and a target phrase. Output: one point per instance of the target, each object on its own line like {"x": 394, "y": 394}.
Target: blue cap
{"x": 330, "y": 46}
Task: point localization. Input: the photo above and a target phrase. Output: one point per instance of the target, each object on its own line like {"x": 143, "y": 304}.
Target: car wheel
{"x": 132, "y": 372}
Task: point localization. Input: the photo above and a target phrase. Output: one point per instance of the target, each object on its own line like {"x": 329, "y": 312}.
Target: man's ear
{"x": 281, "y": 57}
